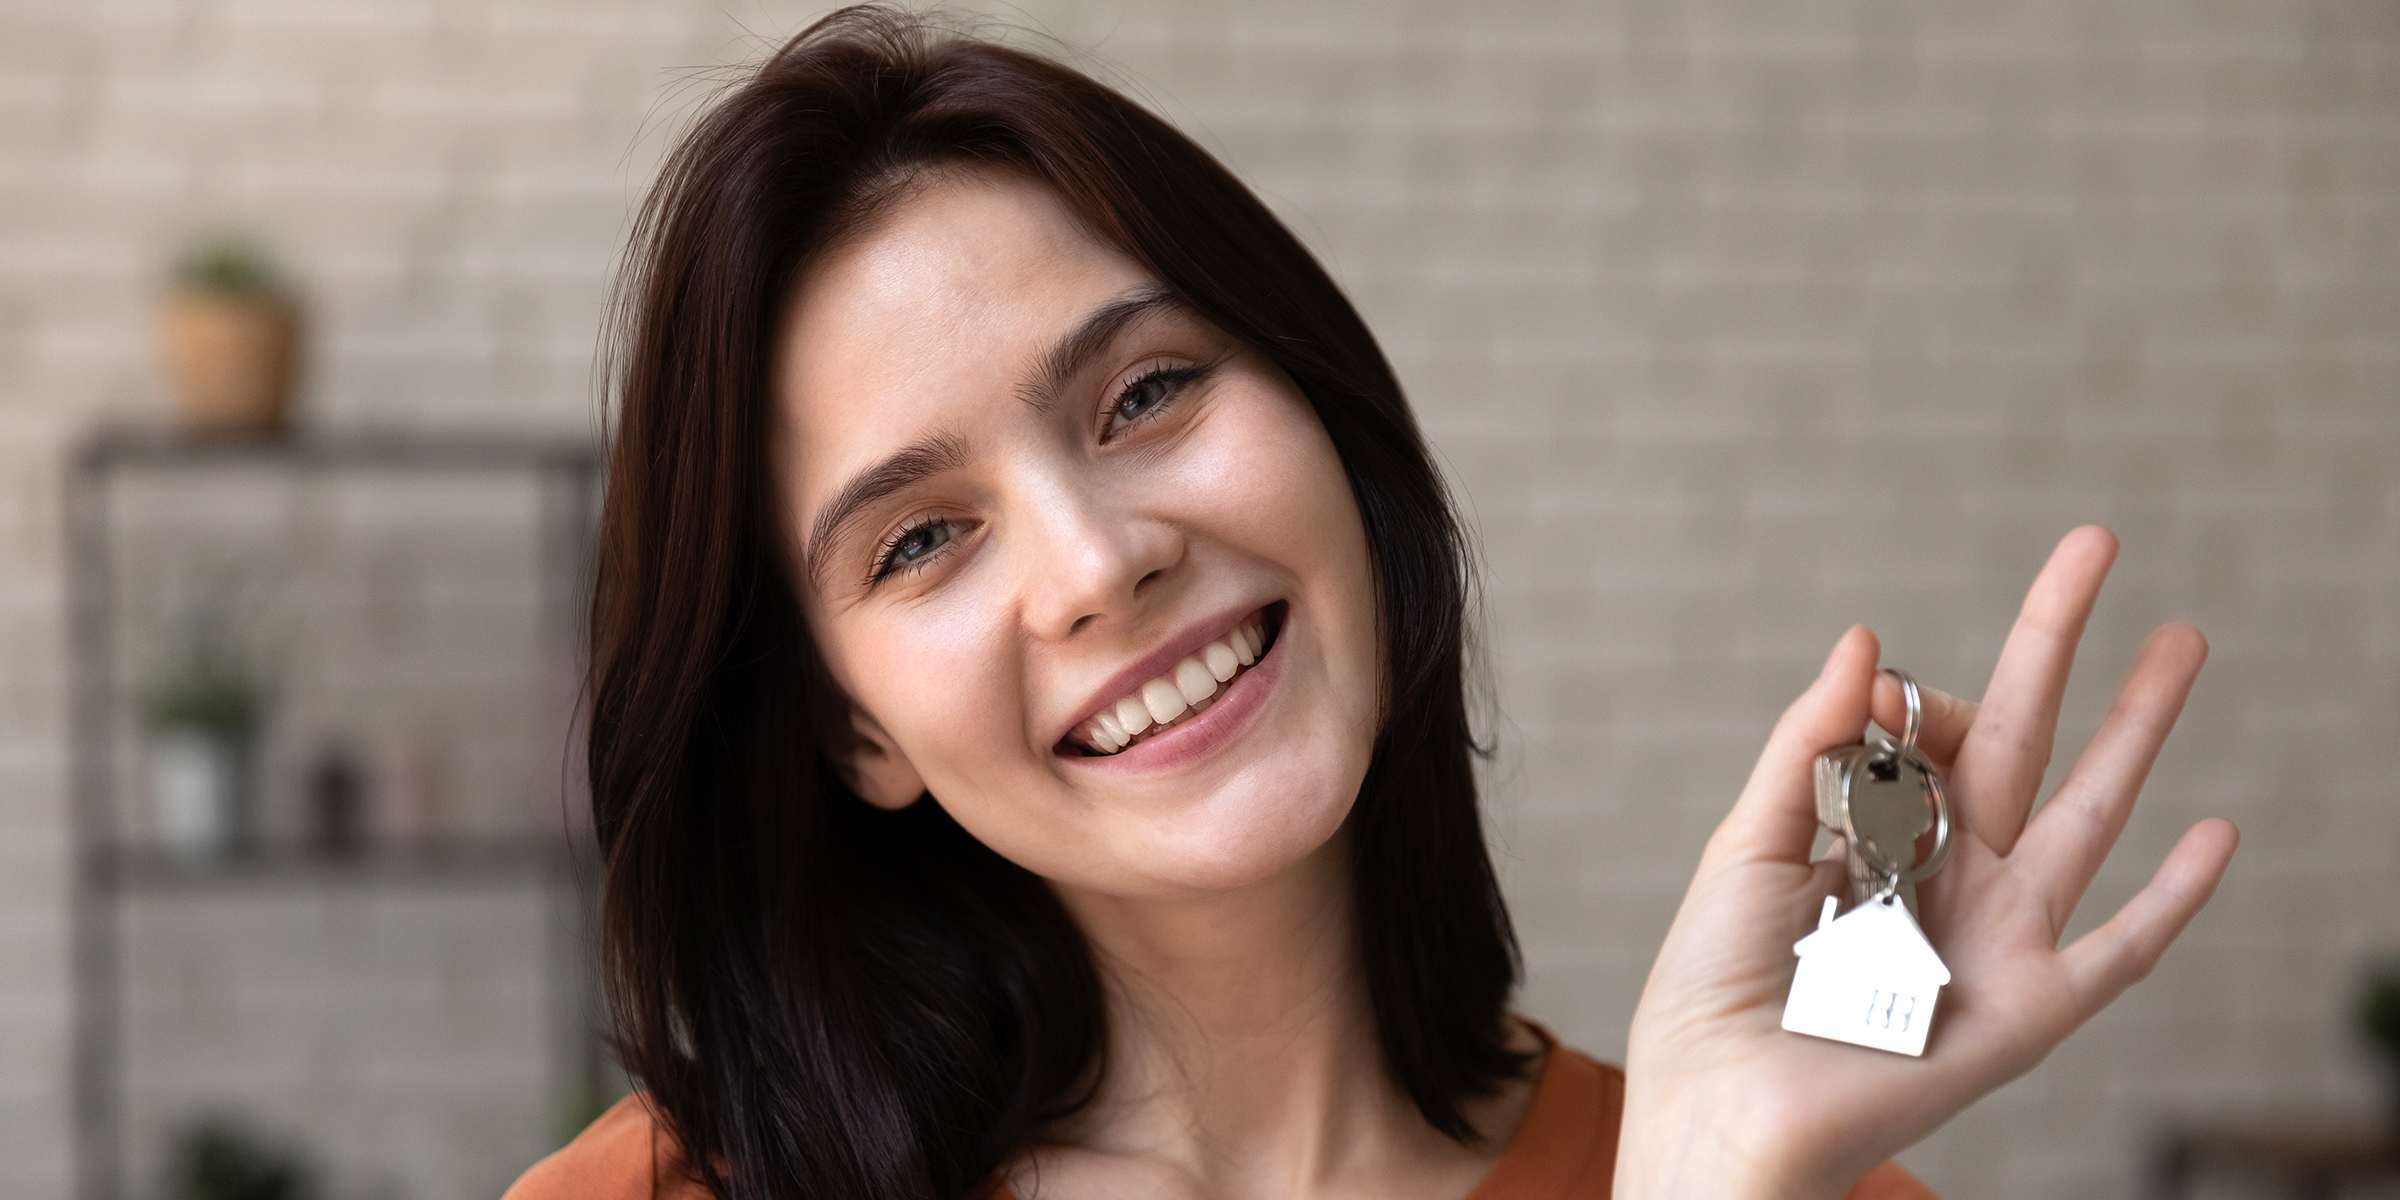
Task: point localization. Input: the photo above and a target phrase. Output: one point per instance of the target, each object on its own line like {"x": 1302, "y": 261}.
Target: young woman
{"x": 1028, "y": 740}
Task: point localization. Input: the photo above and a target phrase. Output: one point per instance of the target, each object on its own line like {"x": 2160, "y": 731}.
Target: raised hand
{"x": 1722, "y": 1102}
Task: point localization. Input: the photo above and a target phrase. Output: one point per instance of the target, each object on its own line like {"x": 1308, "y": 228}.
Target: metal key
{"x": 1881, "y": 798}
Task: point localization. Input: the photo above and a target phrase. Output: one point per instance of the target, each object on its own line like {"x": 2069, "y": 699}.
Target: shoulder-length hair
{"x": 827, "y": 1000}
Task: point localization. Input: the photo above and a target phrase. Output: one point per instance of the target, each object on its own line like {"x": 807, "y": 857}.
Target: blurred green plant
{"x": 209, "y": 676}
{"x": 229, "y": 264}
{"x": 219, "y": 1158}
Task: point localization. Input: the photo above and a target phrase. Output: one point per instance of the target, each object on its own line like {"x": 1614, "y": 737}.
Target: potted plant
{"x": 2378, "y": 1011}
{"x": 218, "y": 1158}
{"x": 202, "y": 706}
{"x": 229, "y": 330}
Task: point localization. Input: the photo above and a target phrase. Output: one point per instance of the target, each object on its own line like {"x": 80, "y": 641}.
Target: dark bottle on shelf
{"x": 337, "y": 803}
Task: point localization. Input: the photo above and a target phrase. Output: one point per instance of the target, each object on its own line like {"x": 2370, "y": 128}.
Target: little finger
{"x": 2101, "y": 964}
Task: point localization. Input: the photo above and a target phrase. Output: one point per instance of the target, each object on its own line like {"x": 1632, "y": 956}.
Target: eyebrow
{"x": 1072, "y": 353}
{"x": 941, "y": 452}
{"x": 922, "y": 460}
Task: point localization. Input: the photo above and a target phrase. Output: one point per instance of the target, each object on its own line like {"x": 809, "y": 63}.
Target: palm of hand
{"x": 1721, "y": 1095}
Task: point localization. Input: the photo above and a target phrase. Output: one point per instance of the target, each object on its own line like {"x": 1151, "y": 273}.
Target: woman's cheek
{"x": 1311, "y": 520}
{"x": 938, "y": 689}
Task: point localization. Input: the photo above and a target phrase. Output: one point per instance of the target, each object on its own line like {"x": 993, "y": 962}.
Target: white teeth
{"x": 1193, "y": 685}
{"x": 1163, "y": 699}
{"x": 1222, "y": 662}
{"x": 1194, "y": 681}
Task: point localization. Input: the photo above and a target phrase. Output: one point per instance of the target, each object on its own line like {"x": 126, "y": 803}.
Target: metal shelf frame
{"x": 106, "y": 870}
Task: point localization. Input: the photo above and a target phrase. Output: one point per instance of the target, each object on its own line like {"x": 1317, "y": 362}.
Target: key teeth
{"x": 1831, "y": 811}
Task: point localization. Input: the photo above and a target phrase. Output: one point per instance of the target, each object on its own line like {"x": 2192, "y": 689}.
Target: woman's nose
{"x": 1090, "y": 562}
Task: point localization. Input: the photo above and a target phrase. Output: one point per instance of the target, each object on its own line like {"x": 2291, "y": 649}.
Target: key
{"x": 1868, "y": 976}
{"x": 1879, "y": 802}
{"x": 1881, "y": 798}
{"x": 1890, "y": 805}
{"x": 1892, "y": 801}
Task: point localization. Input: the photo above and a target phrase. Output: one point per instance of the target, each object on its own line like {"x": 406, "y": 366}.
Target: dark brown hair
{"x": 828, "y": 1000}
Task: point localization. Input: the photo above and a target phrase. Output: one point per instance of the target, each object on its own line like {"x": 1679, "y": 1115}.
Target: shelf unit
{"x": 115, "y": 872}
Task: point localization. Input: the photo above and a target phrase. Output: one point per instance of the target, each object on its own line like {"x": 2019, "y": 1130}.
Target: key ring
{"x": 1915, "y": 703}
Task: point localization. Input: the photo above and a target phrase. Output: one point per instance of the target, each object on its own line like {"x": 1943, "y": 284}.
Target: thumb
{"x": 1776, "y": 817}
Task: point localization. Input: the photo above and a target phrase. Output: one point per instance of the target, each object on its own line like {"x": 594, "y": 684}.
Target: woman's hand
{"x": 1722, "y": 1102}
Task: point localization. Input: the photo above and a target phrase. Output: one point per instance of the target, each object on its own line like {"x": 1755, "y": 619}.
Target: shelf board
{"x": 153, "y": 869}
{"x": 161, "y": 446}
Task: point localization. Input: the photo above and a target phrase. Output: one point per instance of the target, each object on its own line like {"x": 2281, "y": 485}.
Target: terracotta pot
{"x": 230, "y": 358}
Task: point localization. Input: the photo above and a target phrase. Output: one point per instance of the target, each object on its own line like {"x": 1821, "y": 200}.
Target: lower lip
{"x": 1221, "y": 722}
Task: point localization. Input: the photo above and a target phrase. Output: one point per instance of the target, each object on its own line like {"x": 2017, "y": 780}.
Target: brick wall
{"x": 1734, "y": 322}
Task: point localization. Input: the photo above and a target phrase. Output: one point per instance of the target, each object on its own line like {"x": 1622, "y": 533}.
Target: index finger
{"x": 2000, "y": 765}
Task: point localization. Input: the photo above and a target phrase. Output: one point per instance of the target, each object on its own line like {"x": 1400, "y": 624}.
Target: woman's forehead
{"x": 970, "y": 264}
{"x": 926, "y": 322}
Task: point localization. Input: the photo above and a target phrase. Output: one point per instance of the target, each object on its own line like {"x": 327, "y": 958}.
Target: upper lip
{"x": 1157, "y": 663}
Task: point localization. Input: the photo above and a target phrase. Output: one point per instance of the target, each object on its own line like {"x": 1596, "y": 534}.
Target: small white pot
{"x": 196, "y": 785}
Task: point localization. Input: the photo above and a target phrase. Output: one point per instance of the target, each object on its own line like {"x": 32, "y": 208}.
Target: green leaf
{"x": 228, "y": 264}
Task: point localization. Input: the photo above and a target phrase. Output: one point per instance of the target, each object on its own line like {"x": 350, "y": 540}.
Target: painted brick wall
{"x": 1734, "y": 322}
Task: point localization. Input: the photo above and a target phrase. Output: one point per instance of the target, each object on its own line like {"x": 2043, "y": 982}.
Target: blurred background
{"x": 1734, "y": 323}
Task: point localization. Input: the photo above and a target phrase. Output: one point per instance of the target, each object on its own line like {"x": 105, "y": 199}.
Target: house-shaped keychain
{"x": 1867, "y": 977}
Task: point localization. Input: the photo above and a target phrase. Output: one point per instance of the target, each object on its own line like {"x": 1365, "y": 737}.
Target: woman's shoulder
{"x": 622, "y": 1156}
{"x": 1566, "y": 1145}
{"x": 1566, "y": 1149}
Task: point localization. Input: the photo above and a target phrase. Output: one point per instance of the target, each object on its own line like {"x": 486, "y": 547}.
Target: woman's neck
{"x": 1242, "y": 1056}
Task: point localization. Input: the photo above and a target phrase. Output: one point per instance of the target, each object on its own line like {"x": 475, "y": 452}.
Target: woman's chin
{"x": 1258, "y": 826}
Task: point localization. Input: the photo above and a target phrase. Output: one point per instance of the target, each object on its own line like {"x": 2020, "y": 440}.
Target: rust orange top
{"x": 1565, "y": 1150}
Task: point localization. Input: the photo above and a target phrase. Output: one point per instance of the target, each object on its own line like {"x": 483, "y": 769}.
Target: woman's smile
{"x": 1176, "y": 703}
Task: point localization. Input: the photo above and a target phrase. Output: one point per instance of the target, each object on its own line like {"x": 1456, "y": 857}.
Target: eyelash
{"x": 1176, "y": 379}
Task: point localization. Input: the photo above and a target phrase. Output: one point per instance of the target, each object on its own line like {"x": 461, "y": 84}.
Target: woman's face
{"x": 1026, "y": 492}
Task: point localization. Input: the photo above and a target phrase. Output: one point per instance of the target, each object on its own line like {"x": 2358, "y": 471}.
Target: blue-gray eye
{"x": 1150, "y": 395}
{"x": 913, "y": 546}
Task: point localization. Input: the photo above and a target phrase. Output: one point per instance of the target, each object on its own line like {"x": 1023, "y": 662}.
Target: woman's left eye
{"x": 1148, "y": 396}
{"x": 913, "y": 547}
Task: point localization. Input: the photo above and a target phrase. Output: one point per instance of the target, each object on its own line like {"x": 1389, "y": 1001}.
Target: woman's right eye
{"x": 913, "y": 547}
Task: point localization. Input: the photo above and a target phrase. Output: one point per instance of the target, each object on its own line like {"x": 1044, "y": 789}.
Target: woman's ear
{"x": 874, "y": 767}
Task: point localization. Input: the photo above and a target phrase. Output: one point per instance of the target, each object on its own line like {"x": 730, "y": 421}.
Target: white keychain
{"x": 1868, "y": 976}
